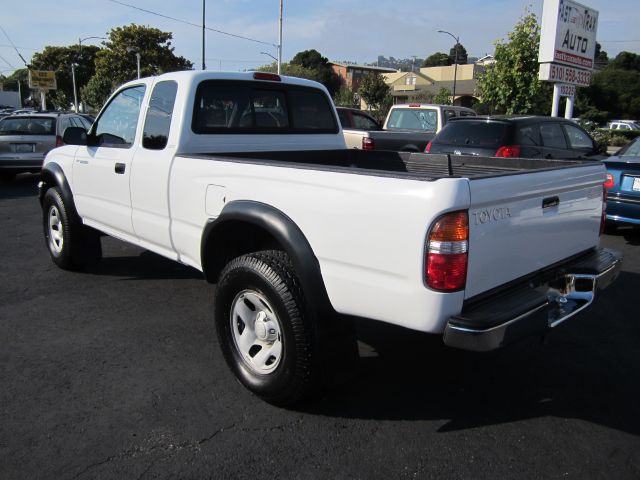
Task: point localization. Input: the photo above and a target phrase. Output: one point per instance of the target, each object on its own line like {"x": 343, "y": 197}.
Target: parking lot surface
{"x": 115, "y": 373}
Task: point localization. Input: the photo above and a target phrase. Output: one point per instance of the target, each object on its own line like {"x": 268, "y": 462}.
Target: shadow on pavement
{"x": 145, "y": 266}
{"x": 24, "y": 185}
{"x": 586, "y": 369}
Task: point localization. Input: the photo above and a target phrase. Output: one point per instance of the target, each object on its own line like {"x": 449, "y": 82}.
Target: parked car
{"x": 25, "y": 139}
{"x": 624, "y": 125}
{"x": 623, "y": 184}
{"x": 516, "y": 136}
{"x": 407, "y": 128}
{"x": 295, "y": 229}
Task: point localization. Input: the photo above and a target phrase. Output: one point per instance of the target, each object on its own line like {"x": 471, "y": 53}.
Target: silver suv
{"x": 25, "y": 139}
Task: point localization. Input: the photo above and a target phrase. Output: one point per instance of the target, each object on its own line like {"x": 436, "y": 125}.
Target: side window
{"x": 63, "y": 124}
{"x": 116, "y": 127}
{"x": 85, "y": 123}
{"x": 363, "y": 122}
{"x": 578, "y": 138}
{"x": 157, "y": 123}
{"x": 552, "y": 135}
{"x": 529, "y": 135}
{"x": 344, "y": 118}
{"x": 448, "y": 115}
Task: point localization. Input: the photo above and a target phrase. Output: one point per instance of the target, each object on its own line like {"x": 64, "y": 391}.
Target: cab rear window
{"x": 470, "y": 133}
{"x": 28, "y": 126}
{"x": 256, "y": 107}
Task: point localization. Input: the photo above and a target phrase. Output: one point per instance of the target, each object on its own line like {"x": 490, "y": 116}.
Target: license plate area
{"x": 636, "y": 184}
{"x": 23, "y": 147}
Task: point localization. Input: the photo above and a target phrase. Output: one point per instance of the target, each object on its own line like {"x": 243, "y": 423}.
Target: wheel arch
{"x": 245, "y": 226}
{"x": 52, "y": 175}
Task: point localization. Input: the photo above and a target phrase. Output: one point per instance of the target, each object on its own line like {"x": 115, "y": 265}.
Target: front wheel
{"x": 71, "y": 245}
{"x": 261, "y": 326}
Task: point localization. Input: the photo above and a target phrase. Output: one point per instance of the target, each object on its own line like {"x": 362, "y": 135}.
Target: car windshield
{"x": 473, "y": 133}
{"x": 413, "y": 119}
{"x": 631, "y": 149}
{"x": 27, "y": 126}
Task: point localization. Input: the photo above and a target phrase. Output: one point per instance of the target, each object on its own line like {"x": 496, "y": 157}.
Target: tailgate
{"x": 519, "y": 224}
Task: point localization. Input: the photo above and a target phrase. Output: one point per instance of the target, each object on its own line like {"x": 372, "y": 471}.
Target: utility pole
{"x": 203, "y": 28}
{"x": 280, "y": 40}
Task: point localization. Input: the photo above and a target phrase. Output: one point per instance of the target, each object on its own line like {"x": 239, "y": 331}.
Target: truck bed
{"x": 415, "y": 166}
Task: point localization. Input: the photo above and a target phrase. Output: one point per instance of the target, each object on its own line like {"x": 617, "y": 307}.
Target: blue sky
{"x": 354, "y": 30}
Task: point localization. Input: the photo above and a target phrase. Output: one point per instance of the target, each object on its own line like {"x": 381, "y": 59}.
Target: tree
{"x": 443, "y": 97}
{"x": 373, "y": 90}
{"x": 511, "y": 84}
{"x": 59, "y": 60}
{"x": 461, "y": 54}
{"x": 345, "y": 97}
{"x": 626, "y": 61}
{"x": 116, "y": 63}
{"x": 438, "y": 59}
{"x": 11, "y": 82}
{"x": 312, "y": 60}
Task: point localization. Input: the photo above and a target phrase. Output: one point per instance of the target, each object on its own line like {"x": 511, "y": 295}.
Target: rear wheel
{"x": 265, "y": 336}
{"x": 71, "y": 245}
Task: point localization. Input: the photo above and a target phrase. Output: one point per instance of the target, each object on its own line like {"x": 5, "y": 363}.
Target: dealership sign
{"x": 42, "y": 80}
{"x": 568, "y": 34}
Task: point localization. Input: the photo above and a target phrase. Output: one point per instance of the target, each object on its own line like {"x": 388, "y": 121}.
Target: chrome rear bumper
{"x": 538, "y": 303}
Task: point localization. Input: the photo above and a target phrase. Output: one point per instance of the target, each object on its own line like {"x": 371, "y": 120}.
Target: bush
{"x": 618, "y": 140}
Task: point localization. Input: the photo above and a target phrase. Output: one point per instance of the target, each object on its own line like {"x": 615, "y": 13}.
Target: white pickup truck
{"x": 246, "y": 177}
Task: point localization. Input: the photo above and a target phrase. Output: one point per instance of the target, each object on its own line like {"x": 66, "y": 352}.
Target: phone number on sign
{"x": 560, "y": 73}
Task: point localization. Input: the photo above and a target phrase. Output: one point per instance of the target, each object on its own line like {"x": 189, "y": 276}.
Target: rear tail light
{"x": 508, "y": 151}
{"x": 447, "y": 253}
{"x": 609, "y": 182}
{"x": 267, "y": 76}
{"x": 59, "y": 141}
{"x": 603, "y": 218}
{"x": 368, "y": 143}
{"x": 427, "y": 149}
{"x": 414, "y": 105}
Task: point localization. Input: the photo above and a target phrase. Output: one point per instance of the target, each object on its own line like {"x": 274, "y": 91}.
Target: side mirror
{"x": 75, "y": 136}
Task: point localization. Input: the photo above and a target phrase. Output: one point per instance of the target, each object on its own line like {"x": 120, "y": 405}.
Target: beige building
{"x": 411, "y": 86}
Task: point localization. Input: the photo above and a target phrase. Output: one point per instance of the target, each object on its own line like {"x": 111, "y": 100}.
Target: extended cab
{"x": 246, "y": 178}
{"x": 407, "y": 128}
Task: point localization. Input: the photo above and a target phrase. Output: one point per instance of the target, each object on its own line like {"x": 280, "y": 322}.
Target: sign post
{"x": 567, "y": 49}
{"x": 43, "y": 81}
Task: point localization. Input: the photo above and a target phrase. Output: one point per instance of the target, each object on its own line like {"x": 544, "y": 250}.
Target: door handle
{"x": 548, "y": 156}
{"x": 120, "y": 168}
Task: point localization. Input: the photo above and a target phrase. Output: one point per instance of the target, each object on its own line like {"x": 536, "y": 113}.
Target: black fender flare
{"x": 284, "y": 230}
{"x": 52, "y": 175}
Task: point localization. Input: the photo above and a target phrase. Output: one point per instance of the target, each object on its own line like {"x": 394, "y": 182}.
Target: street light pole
{"x": 203, "y": 28}
{"x": 75, "y": 95}
{"x": 455, "y": 62}
{"x": 138, "y": 62}
{"x": 280, "y": 40}
{"x": 73, "y": 71}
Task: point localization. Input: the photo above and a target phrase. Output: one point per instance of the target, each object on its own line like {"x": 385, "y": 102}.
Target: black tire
{"x": 269, "y": 277}
{"x": 71, "y": 245}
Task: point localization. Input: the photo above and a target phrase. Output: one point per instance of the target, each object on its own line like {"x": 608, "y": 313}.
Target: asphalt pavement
{"x": 115, "y": 373}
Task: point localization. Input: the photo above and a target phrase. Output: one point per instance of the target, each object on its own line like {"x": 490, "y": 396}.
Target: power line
{"x": 7, "y": 62}
{"x": 191, "y": 23}
{"x": 14, "y": 47}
